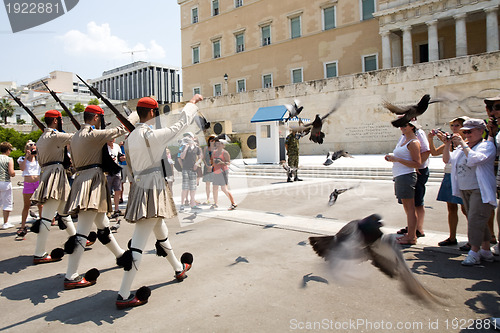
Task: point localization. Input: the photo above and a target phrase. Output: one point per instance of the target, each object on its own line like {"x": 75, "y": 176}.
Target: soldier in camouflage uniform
{"x": 292, "y": 148}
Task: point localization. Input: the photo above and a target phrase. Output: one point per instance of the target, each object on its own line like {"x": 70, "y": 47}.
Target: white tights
{"x": 49, "y": 211}
{"x": 85, "y": 220}
{"x": 142, "y": 231}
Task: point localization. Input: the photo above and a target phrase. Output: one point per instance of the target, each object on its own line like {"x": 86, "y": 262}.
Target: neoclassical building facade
{"x": 233, "y": 46}
{"x": 436, "y": 29}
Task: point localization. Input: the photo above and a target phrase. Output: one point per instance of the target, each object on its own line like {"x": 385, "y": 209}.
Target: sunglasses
{"x": 496, "y": 107}
{"x": 405, "y": 125}
{"x": 455, "y": 125}
{"x": 467, "y": 131}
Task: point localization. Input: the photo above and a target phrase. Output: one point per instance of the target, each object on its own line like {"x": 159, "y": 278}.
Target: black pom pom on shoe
{"x": 92, "y": 275}
{"x": 57, "y": 253}
{"x": 187, "y": 258}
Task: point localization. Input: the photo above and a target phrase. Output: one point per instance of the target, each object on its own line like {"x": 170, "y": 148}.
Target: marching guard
{"x": 89, "y": 196}
{"x": 53, "y": 189}
{"x": 150, "y": 201}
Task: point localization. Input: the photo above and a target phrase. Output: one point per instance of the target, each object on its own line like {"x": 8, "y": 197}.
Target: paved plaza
{"x": 254, "y": 270}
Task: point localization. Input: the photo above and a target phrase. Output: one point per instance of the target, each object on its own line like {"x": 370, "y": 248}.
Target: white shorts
{"x": 6, "y": 196}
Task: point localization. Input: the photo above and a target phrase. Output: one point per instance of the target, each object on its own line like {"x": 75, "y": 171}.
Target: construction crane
{"x": 132, "y": 53}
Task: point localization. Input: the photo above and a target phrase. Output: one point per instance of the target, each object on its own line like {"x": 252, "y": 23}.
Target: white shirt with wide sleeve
{"x": 482, "y": 156}
{"x": 143, "y": 157}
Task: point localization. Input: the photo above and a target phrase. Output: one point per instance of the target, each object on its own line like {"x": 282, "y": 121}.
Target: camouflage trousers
{"x": 293, "y": 161}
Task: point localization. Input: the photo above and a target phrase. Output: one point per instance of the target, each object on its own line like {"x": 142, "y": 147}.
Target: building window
{"x": 329, "y": 18}
{"x": 265, "y": 131}
{"x": 367, "y": 9}
{"x": 218, "y": 89}
{"x": 196, "y": 90}
{"x": 331, "y": 70}
{"x": 240, "y": 42}
{"x": 297, "y": 75}
{"x": 215, "y": 7}
{"x": 196, "y": 54}
{"x": 370, "y": 62}
{"x": 295, "y": 29}
{"x": 216, "y": 49}
{"x": 241, "y": 85}
{"x": 238, "y": 3}
{"x": 267, "y": 81}
{"x": 194, "y": 15}
{"x": 266, "y": 35}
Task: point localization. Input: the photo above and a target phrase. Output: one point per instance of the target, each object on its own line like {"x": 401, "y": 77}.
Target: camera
{"x": 33, "y": 151}
{"x": 494, "y": 121}
{"x": 448, "y": 136}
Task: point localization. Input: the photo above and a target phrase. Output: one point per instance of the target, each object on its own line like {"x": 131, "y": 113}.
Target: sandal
{"x": 406, "y": 241}
{"x": 448, "y": 242}
{"x": 405, "y": 231}
{"x": 214, "y": 206}
{"x": 402, "y": 231}
{"x": 22, "y": 232}
{"x": 232, "y": 207}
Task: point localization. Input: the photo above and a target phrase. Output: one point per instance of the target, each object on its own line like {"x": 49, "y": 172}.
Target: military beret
{"x": 94, "y": 109}
{"x": 147, "y": 102}
{"x": 53, "y": 114}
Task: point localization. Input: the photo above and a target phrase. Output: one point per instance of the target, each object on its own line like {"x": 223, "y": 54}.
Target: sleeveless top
{"x": 4, "y": 168}
{"x": 31, "y": 168}
{"x": 217, "y": 167}
{"x": 402, "y": 152}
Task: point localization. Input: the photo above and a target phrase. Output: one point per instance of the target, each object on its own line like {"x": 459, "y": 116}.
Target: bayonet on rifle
{"x": 128, "y": 125}
{"x": 32, "y": 115}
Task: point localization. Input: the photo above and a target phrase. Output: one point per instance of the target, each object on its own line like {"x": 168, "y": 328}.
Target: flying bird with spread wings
{"x": 362, "y": 240}
{"x": 315, "y": 127}
{"x": 330, "y": 157}
{"x": 409, "y": 112}
{"x": 335, "y": 194}
{"x": 293, "y": 110}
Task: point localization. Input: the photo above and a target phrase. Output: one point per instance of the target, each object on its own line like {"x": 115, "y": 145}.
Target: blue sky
{"x": 92, "y": 38}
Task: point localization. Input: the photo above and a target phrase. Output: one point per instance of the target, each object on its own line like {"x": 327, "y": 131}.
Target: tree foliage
{"x": 78, "y": 107}
{"x": 94, "y": 101}
{"x": 6, "y": 110}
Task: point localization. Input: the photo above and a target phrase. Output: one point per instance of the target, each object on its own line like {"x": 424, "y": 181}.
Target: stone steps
{"x": 374, "y": 173}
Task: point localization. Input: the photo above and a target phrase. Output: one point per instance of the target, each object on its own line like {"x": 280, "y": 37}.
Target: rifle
{"x": 128, "y": 125}
{"x": 65, "y": 108}
{"x": 32, "y": 115}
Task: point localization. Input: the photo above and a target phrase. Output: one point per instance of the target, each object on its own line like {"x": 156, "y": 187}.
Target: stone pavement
{"x": 254, "y": 271}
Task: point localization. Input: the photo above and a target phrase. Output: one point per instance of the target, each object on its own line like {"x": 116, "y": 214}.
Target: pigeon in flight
{"x": 315, "y": 126}
{"x": 335, "y": 156}
{"x": 293, "y": 110}
{"x": 288, "y": 169}
{"x": 335, "y": 194}
{"x": 362, "y": 240}
{"x": 410, "y": 111}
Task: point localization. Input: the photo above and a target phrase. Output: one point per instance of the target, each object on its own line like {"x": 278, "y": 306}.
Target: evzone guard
{"x": 89, "y": 196}
{"x": 150, "y": 201}
{"x": 53, "y": 189}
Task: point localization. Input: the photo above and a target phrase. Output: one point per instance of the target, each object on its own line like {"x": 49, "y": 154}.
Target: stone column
{"x": 432, "y": 36}
{"x": 460, "y": 35}
{"x": 386, "y": 50}
{"x": 407, "y": 47}
{"x": 492, "y": 43}
{"x": 396, "y": 50}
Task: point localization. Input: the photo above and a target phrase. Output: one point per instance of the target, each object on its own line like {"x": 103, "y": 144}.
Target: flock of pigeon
{"x": 358, "y": 240}
{"x": 362, "y": 240}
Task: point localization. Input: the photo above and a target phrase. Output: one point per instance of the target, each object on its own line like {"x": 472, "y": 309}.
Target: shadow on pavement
{"x": 447, "y": 266}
